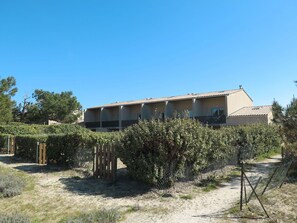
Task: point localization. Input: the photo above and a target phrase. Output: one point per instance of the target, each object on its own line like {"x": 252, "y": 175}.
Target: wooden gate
{"x": 105, "y": 162}
{"x": 41, "y": 153}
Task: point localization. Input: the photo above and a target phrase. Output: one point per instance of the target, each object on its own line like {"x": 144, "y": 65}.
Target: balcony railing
{"x": 110, "y": 124}
{"x": 92, "y": 124}
{"x": 126, "y": 123}
{"x": 212, "y": 120}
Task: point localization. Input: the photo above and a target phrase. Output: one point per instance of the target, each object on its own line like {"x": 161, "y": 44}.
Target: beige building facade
{"x": 213, "y": 108}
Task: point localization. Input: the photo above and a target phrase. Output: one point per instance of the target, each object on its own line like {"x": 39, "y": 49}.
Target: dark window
{"x": 217, "y": 111}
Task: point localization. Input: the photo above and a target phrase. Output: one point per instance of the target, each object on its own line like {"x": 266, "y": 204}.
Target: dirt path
{"x": 63, "y": 192}
{"x": 211, "y": 206}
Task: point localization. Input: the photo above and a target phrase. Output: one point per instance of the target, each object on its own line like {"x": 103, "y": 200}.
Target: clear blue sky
{"x": 107, "y": 51}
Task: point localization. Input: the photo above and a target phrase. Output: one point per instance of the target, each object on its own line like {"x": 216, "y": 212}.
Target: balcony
{"x": 92, "y": 124}
{"x": 212, "y": 120}
{"x": 127, "y": 123}
{"x": 110, "y": 124}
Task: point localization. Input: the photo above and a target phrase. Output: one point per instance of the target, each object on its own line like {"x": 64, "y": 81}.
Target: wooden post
{"x": 37, "y": 153}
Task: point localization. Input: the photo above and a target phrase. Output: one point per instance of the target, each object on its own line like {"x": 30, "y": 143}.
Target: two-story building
{"x": 231, "y": 107}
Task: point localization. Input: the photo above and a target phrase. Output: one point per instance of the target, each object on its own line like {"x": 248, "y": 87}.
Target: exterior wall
{"x": 110, "y": 114}
{"x": 131, "y": 112}
{"x": 179, "y": 107}
{"x": 153, "y": 110}
{"x": 208, "y": 103}
{"x": 237, "y": 101}
{"x": 92, "y": 115}
{"x": 245, "y": 120}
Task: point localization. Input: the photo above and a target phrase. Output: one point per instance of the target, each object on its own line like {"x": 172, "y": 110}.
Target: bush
{"x": 26, "y": 129}
{"x": 26, "y": 146}
{"x": 102, "y": 216}
{"x": 257, "y": 140}
{"x": 3, "y": 141}
{"x": 75, "y": 149}
{"x": 10, "y": 184}
{"x": 21, "y": 129}
{"x": 157, "y": 152}
{"x": 14, "y": 218}
{"x": 65, "y": 129}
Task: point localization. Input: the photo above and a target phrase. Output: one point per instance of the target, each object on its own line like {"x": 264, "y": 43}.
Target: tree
{"x": 287, "y": 119}
{"x": 7, "y": 91}
{"x": 61, "y": 107}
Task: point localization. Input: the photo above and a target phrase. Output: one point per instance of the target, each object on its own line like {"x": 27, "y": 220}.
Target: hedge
{"x": 3, "y": 140}
{"x": 26, "y": 146}
{"x": 156, "y": 152}
{"x": 26, "y": 129}
{"x": 75, "y": 149}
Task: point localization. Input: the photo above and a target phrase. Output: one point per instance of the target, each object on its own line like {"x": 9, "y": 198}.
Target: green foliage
{"x": 62, "y": 107}
{"x": 14, "y": 218}
{"x": 65, "y": 129}
{"x": 3, "y": 141}
{"x": 287, "y": 119}
{"x": 75, "y": 149}
{"x": 102, "y": 216}
{"x": 21, "y": 129}
{"x": 10, "y": 184}
{"x": 156, "y": 152}
{"x": 7, "y": 91}
{"x": 26, "y": 129}
{"x": 26, "y": 146}
{"x": 257, "y": 139}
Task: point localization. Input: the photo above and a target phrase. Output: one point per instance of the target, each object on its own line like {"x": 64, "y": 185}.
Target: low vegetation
{"x": 14, "y": 218}
{"x": 12, "y": 183}
{"x": 280, "y": 205}
{"x": 102, "y": 216}
{"x": 159, "y": 152}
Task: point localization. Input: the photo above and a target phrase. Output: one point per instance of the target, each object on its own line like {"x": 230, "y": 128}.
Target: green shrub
{"x": 14, "y": 218}
{"x": 10, "y": 184}
{"x": 157, "y": 152}
{"x": 26, "y": 146}
{"x": 26, "y": 129}
{"x": 257, "y": 140}
{"x": 102, "y": 216}
{"x": 3, "y": 140}
{"x": 65, "y": 129}
{"x": 75, "y": 149}
{"x": 21, "y": 129}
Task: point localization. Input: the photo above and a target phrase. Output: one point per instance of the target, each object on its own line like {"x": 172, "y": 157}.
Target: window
{"x": 217, "y": 111}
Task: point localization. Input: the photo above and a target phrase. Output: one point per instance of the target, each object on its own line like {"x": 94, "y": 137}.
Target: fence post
{"x": 8, "y": 144}
{"x": 37, "y": 152}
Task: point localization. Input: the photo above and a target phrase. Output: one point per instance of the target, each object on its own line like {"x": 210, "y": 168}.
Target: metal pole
{"x": 250, "y": 197}
{"x": 241, "y": 187}
{"x": 256, "y": 195}
{"x": 270, "y": 179}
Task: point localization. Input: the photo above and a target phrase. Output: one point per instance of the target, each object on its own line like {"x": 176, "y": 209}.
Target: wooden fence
{"x": 9, "y": 145}
{"x": 41, "y": 153}
{"x": 105, "y": 163}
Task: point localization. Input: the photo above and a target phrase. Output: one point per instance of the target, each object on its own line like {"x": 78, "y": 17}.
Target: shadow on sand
{"x": 123, "y": 187}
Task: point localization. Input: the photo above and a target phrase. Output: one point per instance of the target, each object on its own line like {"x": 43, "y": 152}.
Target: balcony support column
{"x": 120, "y": 116}
{"x": 101, "y": 114}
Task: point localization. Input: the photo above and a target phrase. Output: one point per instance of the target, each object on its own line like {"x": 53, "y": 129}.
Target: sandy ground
{"x": 66, "y": 192}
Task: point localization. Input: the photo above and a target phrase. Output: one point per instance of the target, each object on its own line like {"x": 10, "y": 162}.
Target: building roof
{"x": 172, "y": 98}
{"x": 252, "y": 111}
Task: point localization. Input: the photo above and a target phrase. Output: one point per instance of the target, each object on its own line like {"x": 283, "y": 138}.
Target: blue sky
{"x": 107, "y": 51}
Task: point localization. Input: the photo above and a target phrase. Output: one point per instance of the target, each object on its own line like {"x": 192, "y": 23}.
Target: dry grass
{"x": 281, "y": 205}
